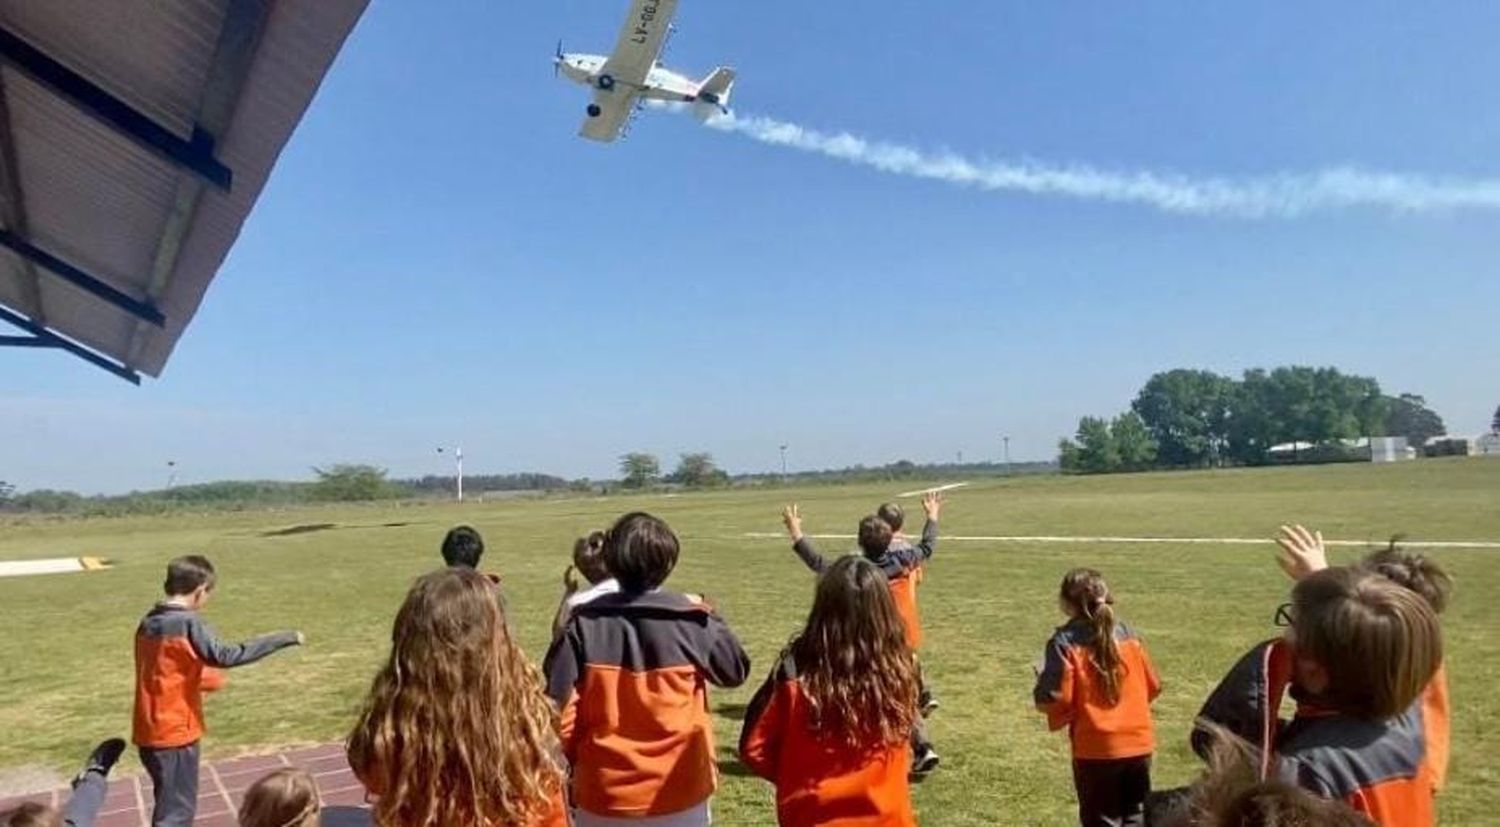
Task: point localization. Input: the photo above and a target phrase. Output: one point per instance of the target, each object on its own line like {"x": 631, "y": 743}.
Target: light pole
{"x": 458, "y": 462}
{"x": 171, "y": 473}
{"x": 1006, "y": 440}
{"x": 783, "y": 462}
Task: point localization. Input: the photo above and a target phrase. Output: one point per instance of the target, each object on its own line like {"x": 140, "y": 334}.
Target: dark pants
{"x": 923, "y": 693}
{"x": 88, "y": 797}
{"x": 919, "y": 741}
{"x": 1112, "y": 791}
{"x": 174, "y": 779}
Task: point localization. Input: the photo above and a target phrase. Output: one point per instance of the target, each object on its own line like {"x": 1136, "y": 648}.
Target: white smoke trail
{"x": 1276, "y": 196}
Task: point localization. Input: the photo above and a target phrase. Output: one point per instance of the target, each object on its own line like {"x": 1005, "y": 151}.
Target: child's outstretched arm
{"x": 932, "y": 506}
{"x": 215, "y": 652}
{"x": 791, "y": 516}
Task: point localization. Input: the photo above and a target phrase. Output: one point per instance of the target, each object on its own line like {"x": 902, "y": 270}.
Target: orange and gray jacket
{"x": 820, "y": 780}
{"x": 630, "y": 674}
{"x": 1069, "y": 691}
{"x": 1382, "y": 768}
{"x": 177, "y": 658}
{"x": 902, "y": 565}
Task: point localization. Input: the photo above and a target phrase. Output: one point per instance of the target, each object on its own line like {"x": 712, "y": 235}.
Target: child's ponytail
{"x": 1086, "y": 591}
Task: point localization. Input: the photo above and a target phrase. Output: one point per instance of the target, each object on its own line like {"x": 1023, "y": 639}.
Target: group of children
{"x": 1362, "y": 657}
{"x": 459, "y": 727}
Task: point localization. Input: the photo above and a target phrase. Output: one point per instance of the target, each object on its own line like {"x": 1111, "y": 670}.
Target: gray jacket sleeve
{"x": 920, "y": 553}
{"x": 810, "y": 555}
{"x": 215, "y": 652}
{"x": 728, "y": 664}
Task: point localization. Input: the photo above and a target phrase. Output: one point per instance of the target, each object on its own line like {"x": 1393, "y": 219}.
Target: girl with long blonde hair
{"x": 456, "y": 730}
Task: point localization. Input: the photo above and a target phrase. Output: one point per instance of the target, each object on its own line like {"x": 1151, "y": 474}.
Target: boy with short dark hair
{"x": 894, "y": 516}
{"x": 630, "y": 672}
{"x": 177, "y": 659}
{"x": 462, "y": 547}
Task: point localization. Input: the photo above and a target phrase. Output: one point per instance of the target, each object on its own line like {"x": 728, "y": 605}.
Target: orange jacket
{"x": 820, "y": 780}
{"x": 1069, "y": 692}
{"x": 1382, "y": 768}
{"x": 175, "y": 658}
{"x": 1435, "y": 721}
{"x": 630, "y": 674}
{"x": 904, "y": 566}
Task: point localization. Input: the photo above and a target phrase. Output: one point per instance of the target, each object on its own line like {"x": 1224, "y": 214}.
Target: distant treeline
{"x": 1197, "y": 418}
{"x": 362, "y": 483}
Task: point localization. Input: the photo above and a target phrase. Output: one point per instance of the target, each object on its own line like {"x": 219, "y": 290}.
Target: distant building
{"x": 1449, "y": 446}
{"x": 1390, "y": 449}
{"x": 1487, "y": 445}
{"x": 1364, "y": 449}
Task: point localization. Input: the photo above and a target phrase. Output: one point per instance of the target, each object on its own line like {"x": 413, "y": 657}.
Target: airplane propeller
{"x": 557, "y": 58}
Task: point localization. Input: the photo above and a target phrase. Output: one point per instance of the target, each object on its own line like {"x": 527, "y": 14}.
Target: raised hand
{"x": 570, "y": 580}
{"x": 932, "y": 504}
{"x": 1302, "y": 551}
{"x": 791, "y": 516}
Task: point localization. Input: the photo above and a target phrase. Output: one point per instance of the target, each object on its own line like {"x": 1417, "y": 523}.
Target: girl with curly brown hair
{"x": 457, "y": 730}
{"x": 830, "y": 725}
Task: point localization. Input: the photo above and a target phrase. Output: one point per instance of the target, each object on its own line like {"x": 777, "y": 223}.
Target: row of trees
{"x": 1197, "y": 418}
{"x": 695, "y": 470}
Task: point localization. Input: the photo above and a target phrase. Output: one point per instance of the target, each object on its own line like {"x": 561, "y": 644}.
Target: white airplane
{"x": 630, "y": 75}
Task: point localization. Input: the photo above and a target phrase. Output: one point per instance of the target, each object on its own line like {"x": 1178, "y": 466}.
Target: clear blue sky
{"x": 438, "y": 260}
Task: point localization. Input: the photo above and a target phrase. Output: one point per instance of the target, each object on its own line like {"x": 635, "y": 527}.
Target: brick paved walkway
{"x": 221, "y": 787}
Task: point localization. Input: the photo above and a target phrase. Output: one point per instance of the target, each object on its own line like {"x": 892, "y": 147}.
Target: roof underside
{"x": 135, "y": 137}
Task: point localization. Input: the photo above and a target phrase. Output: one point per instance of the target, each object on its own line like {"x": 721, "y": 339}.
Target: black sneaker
{"x": 924, "y": 762}
{"x": 927, "y": 704}
{"x": 104, "y": 756}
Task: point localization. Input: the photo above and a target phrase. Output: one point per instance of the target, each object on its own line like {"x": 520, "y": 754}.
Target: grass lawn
{"x": 65, "y": 654}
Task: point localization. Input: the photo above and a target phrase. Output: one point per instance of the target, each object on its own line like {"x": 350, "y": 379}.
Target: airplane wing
{"x": 614, "y": 107}
{"x": 641, "y": 40}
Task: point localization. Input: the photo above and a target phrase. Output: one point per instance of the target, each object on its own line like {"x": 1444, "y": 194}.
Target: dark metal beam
{"x": 13, "y": 211}
{"x": 24, "y": 341}
{"x": 234, "y": 53}
{"x": 42, "y": 337}
{"x": 84, "y": 281}
{"x": 195, "y": 154}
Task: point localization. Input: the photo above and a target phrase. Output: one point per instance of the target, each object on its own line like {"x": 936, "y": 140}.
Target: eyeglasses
{"x": 1284, "y": 615}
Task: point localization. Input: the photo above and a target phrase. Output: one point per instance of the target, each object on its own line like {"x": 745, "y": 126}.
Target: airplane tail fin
{"x": 715, "y": 89}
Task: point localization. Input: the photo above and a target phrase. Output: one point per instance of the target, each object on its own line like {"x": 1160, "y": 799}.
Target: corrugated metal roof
{"x": 99, "y": 200}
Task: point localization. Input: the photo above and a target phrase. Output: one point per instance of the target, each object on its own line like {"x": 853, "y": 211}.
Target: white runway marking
{"x": 57, "y": 565}
{"x": 949, "y": 487}
{"x": 1226, "y": 541}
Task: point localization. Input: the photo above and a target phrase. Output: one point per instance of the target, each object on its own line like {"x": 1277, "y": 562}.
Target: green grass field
{"x": 65, "y": 655}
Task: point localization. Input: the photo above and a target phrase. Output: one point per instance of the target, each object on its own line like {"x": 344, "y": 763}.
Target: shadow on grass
{"x": 730, "y": 765}
{"x": 734, "y": 712}
{"x": 307, "y": 528}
